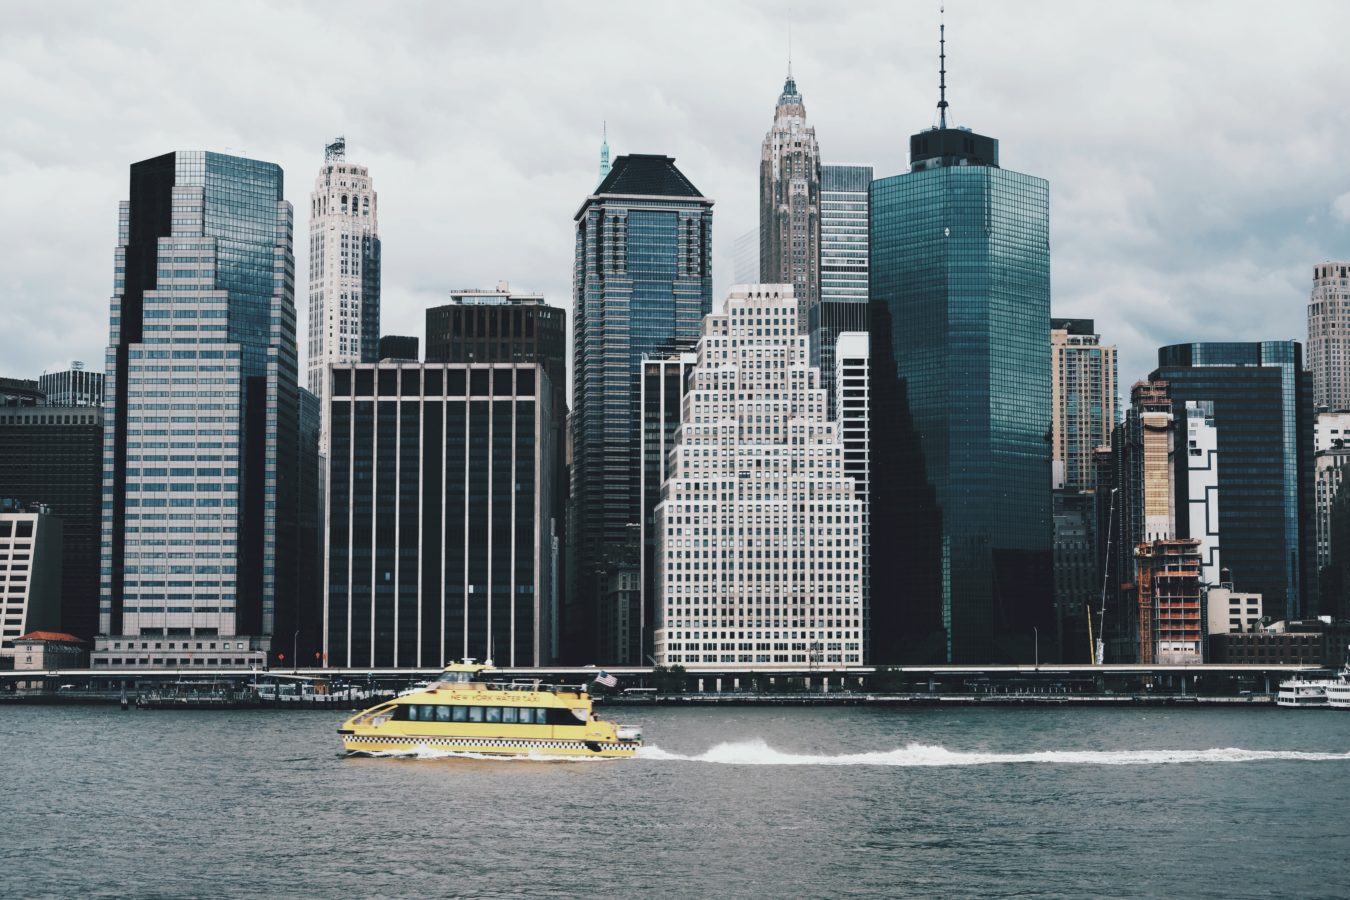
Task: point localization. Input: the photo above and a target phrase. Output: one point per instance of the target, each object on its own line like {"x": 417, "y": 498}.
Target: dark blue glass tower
{"x": 642, "y": 284}
{"x": 1263, "y": 413}
{"x": 960, "y": 324}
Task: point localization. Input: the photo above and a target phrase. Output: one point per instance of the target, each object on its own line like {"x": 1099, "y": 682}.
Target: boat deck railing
{"x": 532, "y": 685}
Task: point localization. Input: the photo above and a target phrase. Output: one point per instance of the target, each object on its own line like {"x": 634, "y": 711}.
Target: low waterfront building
{"x": 440, "y": 538}
{"x": 1312, "y": 642}
{"x": 760, "y": 533}
{"x": 42, "y": 650}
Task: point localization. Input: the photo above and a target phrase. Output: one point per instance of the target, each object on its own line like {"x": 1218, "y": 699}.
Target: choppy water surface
{"x": 723, "y": 802}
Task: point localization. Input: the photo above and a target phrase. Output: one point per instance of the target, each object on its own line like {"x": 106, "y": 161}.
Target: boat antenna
{"x": 942, "y": 67}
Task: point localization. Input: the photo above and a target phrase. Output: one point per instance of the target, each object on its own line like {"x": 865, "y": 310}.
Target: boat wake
{"x": 759, "y": 753}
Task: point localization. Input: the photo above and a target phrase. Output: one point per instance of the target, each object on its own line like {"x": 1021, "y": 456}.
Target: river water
{"x": 725, "y": 802}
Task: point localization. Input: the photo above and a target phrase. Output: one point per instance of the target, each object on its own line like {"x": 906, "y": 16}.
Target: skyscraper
{"x": 75, "y": 386}
{"x": 642, "y": 283}
{"x": 843, "y": 266}
{"x": 664, "y": 380}
{"x": 1328, "y": 337}
{"x": 1261, "y": 397}
{"x": 759, "y": 530}
{"x": 1082, "y": 400}
{"x": 960, "y": 323}
{"x": 199, "y": 503}
{"x": 789, "y": 201}
{"x": 440, "y": 531}
{"x": 344, "y": 268}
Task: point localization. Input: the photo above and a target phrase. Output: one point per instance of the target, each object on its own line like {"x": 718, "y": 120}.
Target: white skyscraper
{"x": 1328, "y": 336}
{"x": 344, "y": 270}
{"x": 759, "y": 531}
{"x": 853, "y": 407}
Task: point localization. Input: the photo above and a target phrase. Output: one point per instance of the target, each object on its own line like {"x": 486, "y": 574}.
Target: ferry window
{"x": 428, "y": 713}
{"x": 460, "y": 713}
{"x": 475, "y": 713}
{"x": 442, "y": 714}
{"x": 509, "y": 715}
{"x": 526, "y": 716}
{"x": 412, "y": 713}
{"x": 494, "y": 713}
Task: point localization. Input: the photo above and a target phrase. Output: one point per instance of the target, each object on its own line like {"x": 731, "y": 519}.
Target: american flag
{"x": 606, "y": 679}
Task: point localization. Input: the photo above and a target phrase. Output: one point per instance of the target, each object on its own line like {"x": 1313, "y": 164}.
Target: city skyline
{"x": 1159, "y": 240}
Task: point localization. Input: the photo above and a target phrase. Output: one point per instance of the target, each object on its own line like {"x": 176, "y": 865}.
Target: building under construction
{"x": 1171, "y": 614}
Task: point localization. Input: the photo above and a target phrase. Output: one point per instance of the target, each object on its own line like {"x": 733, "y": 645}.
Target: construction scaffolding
{"x": 1171, "y": 606}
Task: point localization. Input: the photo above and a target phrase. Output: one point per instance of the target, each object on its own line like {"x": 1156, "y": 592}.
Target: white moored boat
{"x": 1338, "y": 690}
{"x": 1297, "y": 693}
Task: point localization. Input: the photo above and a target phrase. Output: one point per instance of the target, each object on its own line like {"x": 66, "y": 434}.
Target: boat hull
{"x": 487, "y": 746}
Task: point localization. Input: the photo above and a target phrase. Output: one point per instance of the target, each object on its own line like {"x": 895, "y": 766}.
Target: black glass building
{"x": 1263, "y": 413}
{"x": 54, "y": 456}
{"x": 642, "y": 282}
{"x": 441, "y": 536}
{"x": 960, "y": 325}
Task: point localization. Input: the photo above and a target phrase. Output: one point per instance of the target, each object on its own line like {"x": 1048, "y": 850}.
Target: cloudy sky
{"x": 1198, "y": 153}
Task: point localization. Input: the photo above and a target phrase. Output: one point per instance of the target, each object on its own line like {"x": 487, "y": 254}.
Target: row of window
{"x": 505, "y": 715}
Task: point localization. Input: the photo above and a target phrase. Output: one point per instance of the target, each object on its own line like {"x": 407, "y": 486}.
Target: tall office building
{"x": 1082, "y": 401}
{"x": 960, "y": 324}
{"x": 1328, "y": 336}
{"x": 843, "y": 266}
{"x": 54, "y": 456}
{"x": 789, "y": 201}
{"x": 759, "y": 530}
{"x": 344, "y": 268}
{"x": 440, "y": 532}
{"x": 75, "y": 386}
{"x": 853, "y": 403}
{"x": 1261, "y": 398}
{"x": 302, "y": 618}
{"x": 642, "y": 284}
{"x": 664, "y": 380}
{"x": 201, "y": 407}
{"x": 399, "y": 348}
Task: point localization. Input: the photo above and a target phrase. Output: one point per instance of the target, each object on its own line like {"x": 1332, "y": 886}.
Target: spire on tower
{"x": 942, "y": 67}
{"x": 604, "y": 151}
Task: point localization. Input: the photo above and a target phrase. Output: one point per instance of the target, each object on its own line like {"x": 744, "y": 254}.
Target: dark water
{"x": 773, "y": 803}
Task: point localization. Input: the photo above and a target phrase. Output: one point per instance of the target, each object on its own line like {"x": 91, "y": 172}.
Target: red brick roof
{"x": 57, "y": 637}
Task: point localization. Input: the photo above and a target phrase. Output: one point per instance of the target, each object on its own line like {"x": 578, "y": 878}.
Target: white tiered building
{"x": 1328, "y": 336}
{"x": 344, "y": 271}
{"x": 759, "y": 558}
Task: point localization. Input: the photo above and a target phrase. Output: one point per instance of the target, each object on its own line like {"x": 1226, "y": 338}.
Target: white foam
{"x": 759, "y": 753}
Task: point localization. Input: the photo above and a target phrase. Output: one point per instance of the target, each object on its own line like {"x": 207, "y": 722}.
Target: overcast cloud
{"x": 1196, "y": 152}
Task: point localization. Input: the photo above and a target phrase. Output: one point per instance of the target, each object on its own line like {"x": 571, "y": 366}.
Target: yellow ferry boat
{"x": 465, "y": 710}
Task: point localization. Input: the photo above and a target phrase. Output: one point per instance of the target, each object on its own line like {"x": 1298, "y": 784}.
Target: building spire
{"x": 942, "y": 67}
{"x": 604, "y": 151}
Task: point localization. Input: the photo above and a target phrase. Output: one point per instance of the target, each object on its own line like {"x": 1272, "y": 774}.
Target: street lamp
{"x": 295, "y": 660}
{"x": 1037, "y": 632}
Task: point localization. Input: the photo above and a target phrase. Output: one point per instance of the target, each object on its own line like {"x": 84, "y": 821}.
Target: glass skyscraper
{"x": 199, "y": 493}
{"x": 642, "y": 283}
{"x": 960, "y": 324}
{"x": 1262, "y": 402}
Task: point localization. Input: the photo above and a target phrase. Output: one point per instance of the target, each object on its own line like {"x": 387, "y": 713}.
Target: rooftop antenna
{"x": 942, "y": 67}
{"x": 789, "y": 44}
{"x": 604, "y": 151}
